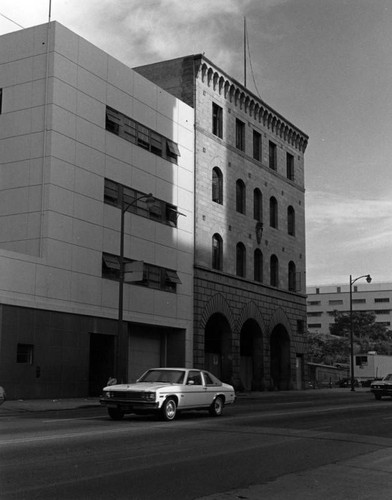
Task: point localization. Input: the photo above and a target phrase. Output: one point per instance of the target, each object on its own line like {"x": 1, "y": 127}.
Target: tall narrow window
{"x": 1, "y": 101}
{"x": 292, "y": 277}
{"x": 258, "y": 265}
{"x": 257, "y": 205}
{"x": 273, "y": 212}
{"x": 272, "y": 155}
{"x": 240, "y": 196}
{"x": 290, "y": 166}
{"x": 241, "y": 260}
{"x": 217, "y": 120}
{"x": 256, "y": 145}
{"x": 217, "y": 185}
{"x": 240, "y": 135}
{"x": 291, "y": 221}
{"x": 274, "y": 271}
{"x": 217, "y": 252}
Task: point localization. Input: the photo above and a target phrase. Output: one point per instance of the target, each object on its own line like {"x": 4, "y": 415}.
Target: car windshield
{"x": 168, "y": 376}
{"x": 388, "y": 377}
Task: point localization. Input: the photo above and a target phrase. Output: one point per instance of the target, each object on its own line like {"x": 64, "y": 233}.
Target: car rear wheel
{"x": 115, "y": 413}
{"x": 169, "y": 409}
{"x": 216, "y": 409}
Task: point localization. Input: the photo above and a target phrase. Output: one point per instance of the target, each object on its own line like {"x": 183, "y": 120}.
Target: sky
{"x": 325, "y": 65}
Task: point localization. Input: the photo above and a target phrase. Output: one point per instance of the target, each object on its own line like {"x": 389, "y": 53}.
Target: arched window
{"x": 240, "y": 196}
{"x": 241, "y": 260}
{"x": 274, "y": 271}
{"x": 273, "y": 212}
{"x": 217, "y": 252}
{"x": 291, "y": 221}
{"x": 217, "y": 185}
{"x": 292, "y": 277}
{"x": 258, "y": 265}
{"x": 257, "y": 205}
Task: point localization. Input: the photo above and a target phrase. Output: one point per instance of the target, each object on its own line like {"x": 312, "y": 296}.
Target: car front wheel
{"x": 216, "y": 409}
{"x": 169, "y": 409}
{"x": 377, "y": 396}
{"x": 115, "y": 413}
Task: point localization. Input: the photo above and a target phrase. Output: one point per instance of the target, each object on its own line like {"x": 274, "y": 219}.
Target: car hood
{"x": 139, "y": 386}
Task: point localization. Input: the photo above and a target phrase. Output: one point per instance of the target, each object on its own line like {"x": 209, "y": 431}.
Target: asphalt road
{"x": 304, "y": 445}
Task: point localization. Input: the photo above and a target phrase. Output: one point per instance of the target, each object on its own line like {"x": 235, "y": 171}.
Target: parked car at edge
{"x": 166, "y": 391}
{"x": 2, "y": 395}
{"x": 382, "y": 387}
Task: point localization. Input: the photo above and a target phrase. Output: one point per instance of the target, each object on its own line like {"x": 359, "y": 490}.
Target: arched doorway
{"x": 251, "y": 356}
{"x": 280, "y": 358}
{"x": 217, "y": 347}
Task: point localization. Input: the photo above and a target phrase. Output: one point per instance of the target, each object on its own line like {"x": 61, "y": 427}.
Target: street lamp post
{"x": 122, "y": 337}
{"x": 352, "y": 281}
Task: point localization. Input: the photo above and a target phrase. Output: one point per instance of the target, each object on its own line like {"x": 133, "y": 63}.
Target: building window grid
{"x": 133, "y": 131}
{"x": 217, "y": 252}
{"x": 272, "y": 155}
{"x": 217, "y": 120}
{"x": 241, "y": 260}
{"x": 240, "y": 197}
{"x": 257, "y": 145}
{"x": 119, "y": 196}
{"x": 240, "y": 135}
{"x": 217, "y": 186}
{"x": 154, "y": 277}
{"x": 290, "y": 166}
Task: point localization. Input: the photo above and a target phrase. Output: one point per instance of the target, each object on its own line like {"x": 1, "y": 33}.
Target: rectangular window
{"x": 359, "y": 301}
{"x": 1, "y": 101}
{"x": 335, "y": 302}
{"x": 314, "y": 325}
{"x": 25, "y": 354}
{"x": 256, "y": 145}
{"x": 155, "y": 277}
{"x": 386, "y": 299}
{"x": 142, "y": 136}
{"x": 272, "y": 155}
{"x": 217, "y": 120}
{"x": 240, "y": 135}
{"x": 290, "y": 166}
{"x": 124, "y": 197}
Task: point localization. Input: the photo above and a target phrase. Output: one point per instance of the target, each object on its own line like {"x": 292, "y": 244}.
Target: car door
{"x": 195, "y": 392}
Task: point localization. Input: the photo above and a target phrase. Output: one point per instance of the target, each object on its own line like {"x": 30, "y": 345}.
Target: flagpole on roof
{"x": 50, "y": 9}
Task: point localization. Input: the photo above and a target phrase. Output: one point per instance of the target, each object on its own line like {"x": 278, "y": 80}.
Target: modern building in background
{"x": 249, "y": 288}
{"x": 324, "y": 300}
{"x": 83, "y": 139}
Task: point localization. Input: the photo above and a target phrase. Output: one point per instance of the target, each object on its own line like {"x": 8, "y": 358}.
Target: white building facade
{"x": 322, "y": 301}
{"x": 83, "y": 138}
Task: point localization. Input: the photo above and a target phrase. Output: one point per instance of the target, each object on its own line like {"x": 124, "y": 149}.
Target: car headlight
{"x": 149, "y": 396}
{"x": 108, "y": 394}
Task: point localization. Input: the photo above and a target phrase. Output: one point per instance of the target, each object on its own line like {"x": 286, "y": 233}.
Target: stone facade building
{"x": 249, "y": 283}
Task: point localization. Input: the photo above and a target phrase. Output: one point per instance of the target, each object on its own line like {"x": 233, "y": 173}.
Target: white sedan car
{"x": 167, "y": 391}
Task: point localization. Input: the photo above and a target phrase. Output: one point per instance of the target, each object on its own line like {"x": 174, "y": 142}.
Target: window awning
{"x": 111, "y": 261}
{"x": 172, "y": 276}
{"x": 173, "y": 148}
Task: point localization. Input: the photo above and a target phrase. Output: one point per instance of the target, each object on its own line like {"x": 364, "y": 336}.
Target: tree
{"x": 367, "y": 334}
{"x": 328, "y": 349}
